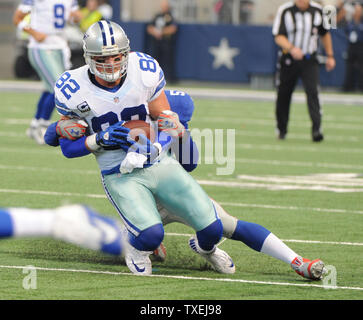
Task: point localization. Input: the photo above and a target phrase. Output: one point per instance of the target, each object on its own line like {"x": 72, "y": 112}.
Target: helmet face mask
{"x": 104, "y": 39}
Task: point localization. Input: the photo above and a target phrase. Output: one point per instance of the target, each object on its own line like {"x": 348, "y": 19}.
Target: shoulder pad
{"x": 149, "y": 69}
{"x": 67, "y": 91}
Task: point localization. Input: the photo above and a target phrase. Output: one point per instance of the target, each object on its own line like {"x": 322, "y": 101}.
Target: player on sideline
{"x": 76, "y": 224}
{"x": 253, "y": 235}
{"x": 115, "y": 86}
{"x": 48, "y": 50}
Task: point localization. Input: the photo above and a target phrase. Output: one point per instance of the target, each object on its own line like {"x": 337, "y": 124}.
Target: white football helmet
{"x": 102, "y": 39}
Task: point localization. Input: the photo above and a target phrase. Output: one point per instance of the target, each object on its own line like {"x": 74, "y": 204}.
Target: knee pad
{"x": 209, "y": 236}
{"x": 148, "y": 239}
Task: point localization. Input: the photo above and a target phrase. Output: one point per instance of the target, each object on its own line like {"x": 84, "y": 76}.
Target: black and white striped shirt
{"x": 302, "y": 28}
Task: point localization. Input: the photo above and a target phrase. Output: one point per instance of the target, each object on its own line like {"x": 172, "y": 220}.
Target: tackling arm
{"x": 70, "y": 148}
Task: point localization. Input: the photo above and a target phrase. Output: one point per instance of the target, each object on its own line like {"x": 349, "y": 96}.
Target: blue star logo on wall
{"x": 223, "y": 55}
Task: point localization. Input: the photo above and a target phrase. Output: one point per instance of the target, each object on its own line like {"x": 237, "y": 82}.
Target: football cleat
{"x": 317, "y": 136}
{"x": 36, "y": 133}
{"x": 219, "y": 259}
{"x": 159, "y": 254}
{"x": 137, "y": 261}
{"x": 81, "y": 226}
{"x": 310, "y": 269}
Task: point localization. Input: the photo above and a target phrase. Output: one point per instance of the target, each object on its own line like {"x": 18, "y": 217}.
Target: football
{"x": 138, "y": 127}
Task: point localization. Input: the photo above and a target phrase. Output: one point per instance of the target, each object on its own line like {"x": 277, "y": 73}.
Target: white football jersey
{"x": 49, "y": 17}
{"x": 77, "y": 96}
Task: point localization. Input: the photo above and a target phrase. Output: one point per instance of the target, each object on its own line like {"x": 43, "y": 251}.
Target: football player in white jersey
{"x": 48, "y": 50}
{"x": 116, "y": 86}
{"x": 253, "y": 235}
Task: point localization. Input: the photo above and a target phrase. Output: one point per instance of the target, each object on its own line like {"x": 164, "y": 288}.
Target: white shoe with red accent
{"x": 159, "y": 254}
{"x": 218, "y": 258}
{"x": 310, "y": 269}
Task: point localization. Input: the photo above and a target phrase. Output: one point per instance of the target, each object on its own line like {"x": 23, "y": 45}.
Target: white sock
{"x": 34, "y": 123}
{"x": 32, "y": 222}
{"x": 275, "y": 248}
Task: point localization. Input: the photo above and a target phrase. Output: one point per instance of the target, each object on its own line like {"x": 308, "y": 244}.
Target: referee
{"x": 296, "y": 29}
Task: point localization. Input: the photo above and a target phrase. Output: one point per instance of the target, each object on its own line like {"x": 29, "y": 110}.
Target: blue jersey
{"x": 181, "y": 103}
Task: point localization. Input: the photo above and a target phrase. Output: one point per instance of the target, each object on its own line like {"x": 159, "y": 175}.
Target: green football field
{"x": 310, "y": 195}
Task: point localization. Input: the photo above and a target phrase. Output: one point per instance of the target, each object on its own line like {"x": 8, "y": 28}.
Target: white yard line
{"x": 277, "y": 187}
{"x": 238, "y": 94}
{"x": 284, "y": 147}
{"x": 233, "y": 204}
{"x": 299, "y": 136}
{"x": 306, "y": 285}
{"x": 307, "y": 179}
{"x": 262, "y": 122}
{"x": 101, "y": 196}
{"x": 290, "y": 208}
{"x": 302, "y": 164}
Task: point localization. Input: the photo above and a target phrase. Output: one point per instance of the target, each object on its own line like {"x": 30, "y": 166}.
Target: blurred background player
{"x": 253, "y": 235}
{"x": 162, "y": 36}
{"x": 350, "y": 18}
{"x": 297, "y": 28}
{"x": 48, "y": 50}
{"x": 76, "y": 224}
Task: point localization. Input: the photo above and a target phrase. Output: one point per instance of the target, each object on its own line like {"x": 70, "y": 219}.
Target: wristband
{"x": 91, "y": 144}
{"x": 158, "y": 146}
{"x": 23, "y": 24}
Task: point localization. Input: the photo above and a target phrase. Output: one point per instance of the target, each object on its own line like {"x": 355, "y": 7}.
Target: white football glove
{"x": 168, "y": 121}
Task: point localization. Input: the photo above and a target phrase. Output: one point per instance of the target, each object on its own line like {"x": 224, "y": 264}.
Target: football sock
{"x": 41, "y": 102}
{"x": 6, "y": 224}
{"x": 22, "y": 222}
{"x": 251, "y": 234}
{"x": 48, "y": 106}
{"x": 275, "y": 248}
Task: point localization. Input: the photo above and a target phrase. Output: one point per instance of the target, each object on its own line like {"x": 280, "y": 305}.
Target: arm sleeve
{"x": 188, "y": 154}
{"x": 186, "y": 150}
{"x": 51, "y": 136}
{"x": 74, "y": 148}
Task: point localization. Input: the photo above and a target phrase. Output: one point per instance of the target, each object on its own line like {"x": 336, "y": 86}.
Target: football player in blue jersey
{"x": 75, "y": 224}
{"x": 253, "y": 235}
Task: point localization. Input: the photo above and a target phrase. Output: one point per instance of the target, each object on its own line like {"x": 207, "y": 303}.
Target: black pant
{"x": 163, "y": 51}
{"x": 354, "y": 67}
{"x": 289, "y": 72}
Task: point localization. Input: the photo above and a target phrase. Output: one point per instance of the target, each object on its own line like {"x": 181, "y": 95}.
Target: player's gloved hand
{"x": 168, "y": 121}
{"x": 71, "y": 129}
{"x": 140, "y": 154}
{"x": 145, "y": 147}
{"x": 115, "y": 136}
